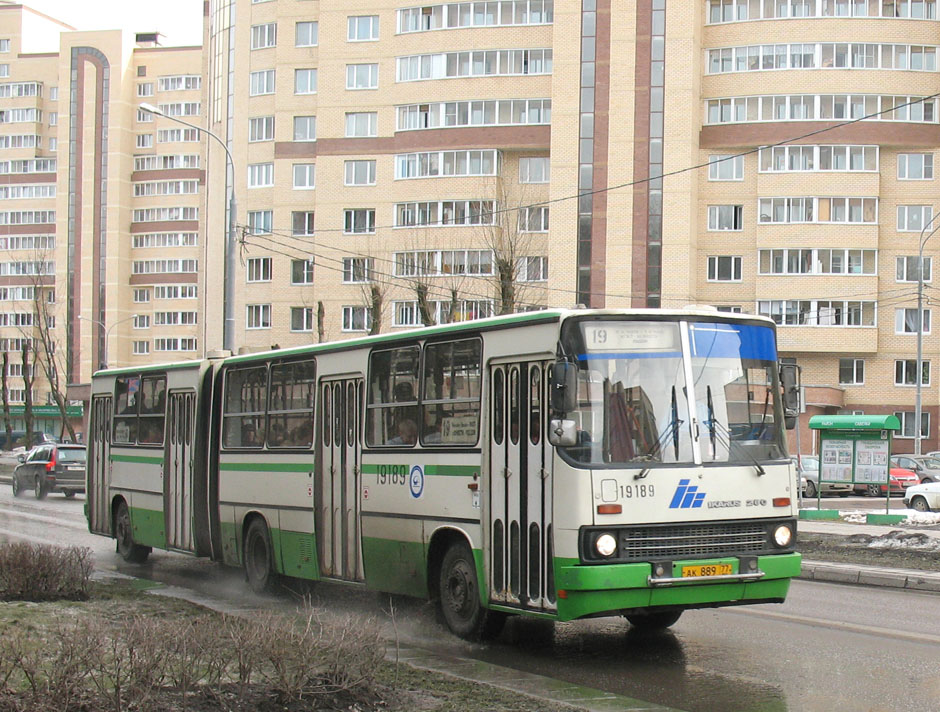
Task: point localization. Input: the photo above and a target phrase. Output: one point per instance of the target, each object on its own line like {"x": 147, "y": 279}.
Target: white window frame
{"x": 858, "y": 367}
{"x": 257, "y": 316}
{"x": 906, "y": 269}
{"x": 260, "y": 128}
{"x": 925, "y": 161}
{"x": 535, "y": 169}
{"x": 262, "y": 82}
{"x": 305, "y": 81}
{"x": 306, "y": 272}
{"x": 351, "y": 216}
{"x": 352, "y": 314}
{"x": 900, "y": 320}
{"x": 307, "y": 34}
{"x": 362, "y": 28}
{"x": 715, "y": 218}
{"x": 260, "y": 175}
{"x": 308, "y": 318}
{"x": 907, "y": 365}
{"x": 906, "y": 220}
{"x": 714, "y": 268}
{"x": 353, "y": 172}
{"x": 355, "y": 118}
{"x": 362, "y": 77}
{"x": 907, "y": 424}
{"x": 305, "y": 176}
{"x": 258, "y": 269}
{"x": 725, "y": 167}
{"x": 263, "y": 36}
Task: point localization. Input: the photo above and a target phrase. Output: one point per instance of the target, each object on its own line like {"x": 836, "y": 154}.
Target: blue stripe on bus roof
{"x": 746, "y": 341}
{"x": 628, "y": 354}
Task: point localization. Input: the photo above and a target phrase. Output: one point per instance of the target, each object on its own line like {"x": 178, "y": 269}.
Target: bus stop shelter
{"x": 856, "y": 449}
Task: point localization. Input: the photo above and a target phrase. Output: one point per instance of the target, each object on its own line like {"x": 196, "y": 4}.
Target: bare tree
{"x": 7, "y": 418}
{"x": 511, "y": 235}
{"x": 29, "y": 377}
{"x": 376, "y": 304}
{"x": 321, "y": 318}
{"x": 48, "y": 355}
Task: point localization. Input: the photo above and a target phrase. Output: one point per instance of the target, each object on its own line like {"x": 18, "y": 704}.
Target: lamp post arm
{"x": 228, "y": 278}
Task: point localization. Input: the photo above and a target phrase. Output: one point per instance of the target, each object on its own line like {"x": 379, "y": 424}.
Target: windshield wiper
{"x": 670, "y": 431}
{"x": 720, "y": 433}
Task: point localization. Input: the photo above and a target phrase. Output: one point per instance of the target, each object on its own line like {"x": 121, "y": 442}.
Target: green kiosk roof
{"x": 854, "y": 422}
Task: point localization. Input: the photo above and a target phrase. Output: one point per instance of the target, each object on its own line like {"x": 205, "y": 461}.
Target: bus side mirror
{"x": 790, "y": 382}
{"x": 564, "y": 395}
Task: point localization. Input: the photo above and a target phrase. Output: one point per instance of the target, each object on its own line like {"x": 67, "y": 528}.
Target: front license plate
{"x": 706, "y": 570}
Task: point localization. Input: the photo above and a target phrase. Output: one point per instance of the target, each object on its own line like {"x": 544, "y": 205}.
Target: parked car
{"x": 923, "y": 498}
{"x": 18, "y": 439}
{"x": 927, "y": 468}
{"x": 901, "y": 479}
{"x": 809, "y": 468}
{"x": 51, "y": 467}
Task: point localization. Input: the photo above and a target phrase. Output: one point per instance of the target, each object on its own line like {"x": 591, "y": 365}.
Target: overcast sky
{"x": 179, "y": 20}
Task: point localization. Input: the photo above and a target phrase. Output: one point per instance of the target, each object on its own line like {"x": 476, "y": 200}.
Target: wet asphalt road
{"x": 829, "y": 647}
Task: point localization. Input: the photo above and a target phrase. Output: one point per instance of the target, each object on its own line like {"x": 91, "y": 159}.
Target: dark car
{"x": 51, "y": 467}
{"x": 926, "y": 468}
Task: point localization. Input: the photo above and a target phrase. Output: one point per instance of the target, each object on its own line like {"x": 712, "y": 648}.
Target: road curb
{"x": 870, "y": 576}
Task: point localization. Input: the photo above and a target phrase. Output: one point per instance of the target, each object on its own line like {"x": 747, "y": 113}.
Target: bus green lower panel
{"x": 395, "y": 566}
{"x": 148, "y": 527}
{"x": 299, "y": 554}
{"x": 591, "y": 590}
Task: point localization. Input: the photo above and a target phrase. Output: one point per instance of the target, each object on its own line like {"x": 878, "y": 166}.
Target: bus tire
{"x": 129, "y": 551}
{"x": 460, "y": 597}
{"x": 259, "y": 558}
{"x": 653, "y": 620}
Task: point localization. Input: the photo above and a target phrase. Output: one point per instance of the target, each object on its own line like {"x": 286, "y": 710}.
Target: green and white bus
{"x": 563, "y": 464}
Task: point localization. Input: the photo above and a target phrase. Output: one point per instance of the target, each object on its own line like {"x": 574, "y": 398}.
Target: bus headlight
{"x": 605, "y": 545}
{"x": 783, "y": 535}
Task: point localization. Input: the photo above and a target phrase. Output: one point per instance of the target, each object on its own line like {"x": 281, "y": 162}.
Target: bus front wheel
{"x": 460, "y": 597}
{"x": 129, "y": 551}
{"x": 258, "y": 557}
{"x": 654, "y": 620}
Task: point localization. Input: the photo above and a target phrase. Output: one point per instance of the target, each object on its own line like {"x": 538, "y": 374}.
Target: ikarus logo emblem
{"x": 687, "y": 496}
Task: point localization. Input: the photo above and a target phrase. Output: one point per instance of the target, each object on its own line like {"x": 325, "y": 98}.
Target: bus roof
{"x": 487, "y": 324}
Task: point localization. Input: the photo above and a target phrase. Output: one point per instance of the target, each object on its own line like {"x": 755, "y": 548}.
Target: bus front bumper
{"x": 611, "y": 589}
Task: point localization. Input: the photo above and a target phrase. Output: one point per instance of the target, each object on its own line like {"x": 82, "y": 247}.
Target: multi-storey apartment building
{"x": 394, "y": 163}
{"x": 99, "y": 206}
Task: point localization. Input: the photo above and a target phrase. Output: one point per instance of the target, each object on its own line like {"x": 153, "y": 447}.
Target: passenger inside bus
{"x": 407, "y": 433}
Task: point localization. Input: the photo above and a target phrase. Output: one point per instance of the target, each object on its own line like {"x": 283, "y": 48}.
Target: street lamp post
{"x": 228, "y": 276}
{"x": 918, "y": 376}
{"x": 103, "y": 358}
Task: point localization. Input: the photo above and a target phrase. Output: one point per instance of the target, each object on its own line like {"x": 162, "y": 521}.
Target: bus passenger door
{"x": 520, "y": 487}
{"x": 178, "y": 470}
{"x": 99, "y": 466}
{"x": 338, "y": 480}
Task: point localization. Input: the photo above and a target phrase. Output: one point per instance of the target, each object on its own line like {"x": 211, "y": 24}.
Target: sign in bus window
{"x": 450, "y": 399}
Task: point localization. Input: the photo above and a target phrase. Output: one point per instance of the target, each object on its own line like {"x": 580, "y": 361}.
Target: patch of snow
{"x": 921, "y": 518}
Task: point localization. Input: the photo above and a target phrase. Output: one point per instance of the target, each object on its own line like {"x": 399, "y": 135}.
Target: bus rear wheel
{"x": 653, "y": 620}
{"x": 460, "y": 597}
{"x": 129, "y": 551}
{"x": 259, "y": 558}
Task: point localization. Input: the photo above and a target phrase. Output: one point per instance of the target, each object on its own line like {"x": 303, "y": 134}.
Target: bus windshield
{"x": 737, "y": 394}
{"x": 632, "y": 395}
{"x": 635, "y": 407}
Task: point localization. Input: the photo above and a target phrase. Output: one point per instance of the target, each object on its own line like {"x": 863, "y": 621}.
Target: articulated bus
{"x": 561, "y": 463}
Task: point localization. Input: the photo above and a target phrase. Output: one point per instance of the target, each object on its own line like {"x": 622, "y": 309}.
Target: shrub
{"x": 38, "y": 572}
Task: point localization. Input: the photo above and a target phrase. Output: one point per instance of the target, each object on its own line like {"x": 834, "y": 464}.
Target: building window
{"x": 145, "y": 89}
{"x": 725, "y": 217}
{"x": 261, "y": 128}
{"x": 258, "y": 316}
{"x": 440, "y": 164}
{"x": 362, "y": 124}
{"x": 259, "y": 269}
{"x": 492, "y": 112}
{"x": 905, "y": 321}
{"x": 304, "y": 176}
{"x": 851, "y": 371}
{"x": 533, "y": 219}
{"x": 357, "y": 319}
{"x": 536, "y": 169}
{"x": 532, "y": 269}
{"x": 305, "y": 128}
{"x": 907, "y": 424}
{"x": 821, "y": 107}
{"x": 306, "y": 34}
{"x": 141, "y": 348}
{"x": 801, "y": 159}
{"x": 819, "y": 312}
{"x": 301, "y": 319}
{"x": 261, "y": 82}
{"x": 907, "y": 269}
{"x": 788, "y": 211}
{"x": 141, "y": 296}
{"x": 356, "y": 270}
{"x": 913, "y": 218}
{"x": 301, "y": 271}
{"x": 915, "y": 166}
{"x": 144, "y": 140}
{"x": 141, "y": 321}
{"x": 725, "y": 268}
{"x": 144, "y": 117}
{"x": 725, "y": 167}
{"x": 302, "y": 222}
{"x": 264, "y": 36}
{"x": 905, "y": 372}
{"x": 362, "y": 76}
{"x": 305, "y": 81}
{"x": 260, "y": 175}
{"x": 817, "y": 261}
{"x": 4, "y": 45}
{"x": 479, "y": 63}
{"x": 729, "y": 308}
{"x": 360, "y": 173}
{"x": 260, "y": 222}
{"x": 364, "y": 28}
{"x": 359, "y": 221}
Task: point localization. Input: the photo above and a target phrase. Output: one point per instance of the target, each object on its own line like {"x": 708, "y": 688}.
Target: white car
{"x": 923, "y": 498}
